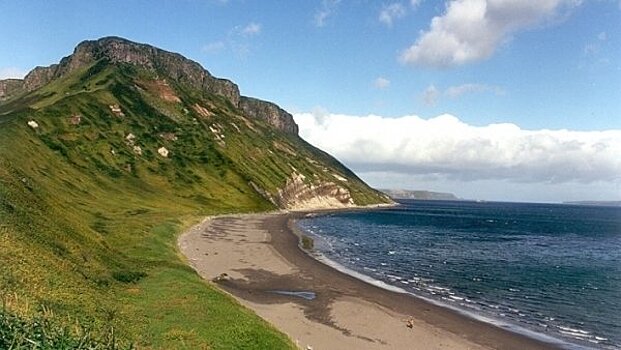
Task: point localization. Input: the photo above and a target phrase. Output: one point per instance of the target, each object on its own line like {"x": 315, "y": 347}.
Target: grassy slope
{"x": 90, "y": 235}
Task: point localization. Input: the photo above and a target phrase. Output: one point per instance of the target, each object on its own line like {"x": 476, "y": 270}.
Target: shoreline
{"x": 263, "y": 263}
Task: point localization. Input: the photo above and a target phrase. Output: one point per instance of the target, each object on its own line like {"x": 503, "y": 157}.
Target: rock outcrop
{"x": 10, "y": 87}
{"x": 270, "y": 113}
{"x": 169, "y": 64}
{"x": 297, "y": 194}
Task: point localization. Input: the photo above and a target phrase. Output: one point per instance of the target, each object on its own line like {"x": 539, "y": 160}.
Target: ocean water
{"x": 542, "y": 269}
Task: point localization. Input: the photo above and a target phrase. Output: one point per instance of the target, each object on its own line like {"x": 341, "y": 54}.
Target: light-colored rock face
{"x": 163, "y": 152}
{"x": 298, "y": 194}
{"x": 33, "y": 124}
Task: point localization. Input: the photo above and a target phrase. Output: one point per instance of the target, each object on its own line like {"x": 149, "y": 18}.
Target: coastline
{"x": 256, "y": 259}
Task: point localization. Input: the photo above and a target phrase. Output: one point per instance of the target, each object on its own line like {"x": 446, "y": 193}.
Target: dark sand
{"x": 260, "y": 255}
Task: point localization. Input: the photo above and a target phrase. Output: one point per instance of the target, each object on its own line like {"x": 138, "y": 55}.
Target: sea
{"x": 549, "y": 271}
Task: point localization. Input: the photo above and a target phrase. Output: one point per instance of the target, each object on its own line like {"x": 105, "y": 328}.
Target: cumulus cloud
{"x": 12, "y": 73}
{"x": 381, "y": 83}
{"x": 326, "y": 10}
{"x": 391, "y": 12}
{"x": 471, "y": 30}
{"x": 445, "y": 146}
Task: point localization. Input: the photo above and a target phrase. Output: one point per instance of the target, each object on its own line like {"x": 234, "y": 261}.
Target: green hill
{"x": 104, "y": 159}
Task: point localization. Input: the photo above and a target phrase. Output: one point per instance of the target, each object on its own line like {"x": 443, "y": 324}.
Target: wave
{"x": 476, "y": 316}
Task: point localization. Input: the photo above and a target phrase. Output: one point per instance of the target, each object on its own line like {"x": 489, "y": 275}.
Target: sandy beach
{"x": 256, "y": 259}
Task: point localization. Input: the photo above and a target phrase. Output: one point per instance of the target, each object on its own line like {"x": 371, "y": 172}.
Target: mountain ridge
{"x": 182, "y": 69}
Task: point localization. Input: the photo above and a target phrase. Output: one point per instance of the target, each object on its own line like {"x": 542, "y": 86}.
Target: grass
{"x": 43, "y": 332}
{"x": 88, "y": 227}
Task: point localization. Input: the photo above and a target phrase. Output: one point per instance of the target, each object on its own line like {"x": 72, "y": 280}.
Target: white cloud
{"x": 391, "y": 12}
{"x": 415, "y": 3}
{"x": 12, "y": 73}
{"x": 472, "y": 30}
{"x": 459, "y": 90}
{"x": 431, "y": 95}
{"x": 381, "y": 83}
{"x": 251, "y": 29}
{"x": 238, "y": 41}
{"x": 326, "y": 10}
{"x": 445, "y": 146}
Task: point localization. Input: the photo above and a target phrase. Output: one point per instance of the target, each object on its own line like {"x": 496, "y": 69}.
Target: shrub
{"x": 307, "y": 243}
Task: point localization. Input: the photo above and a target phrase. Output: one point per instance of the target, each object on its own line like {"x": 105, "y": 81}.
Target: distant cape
{"x": 423, "y": 195}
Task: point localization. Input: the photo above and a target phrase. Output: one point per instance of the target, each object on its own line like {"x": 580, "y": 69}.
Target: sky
{"x": 516, "y": 100}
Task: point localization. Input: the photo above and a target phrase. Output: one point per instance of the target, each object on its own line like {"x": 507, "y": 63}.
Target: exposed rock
{"x": 130, "y": 138}
{"x": 33, "y": 124}
{"x": 10, "y": 88}
{"x": 116, "y": 109}
{"x": 119, "y": 50}
{"x": 339, "y": 177}
{"x": 163, "y": 152}
{"x": 138, "y": 150}
{"x": 270, "y": 113}
{"x": 202, "y": 110}
{"x": 75, "y": 120}
{"x": 263, "y": 193}
{"x": 165, "y": 92}
{"x": 298, "y": 194}
{"x": 169, "y": 136}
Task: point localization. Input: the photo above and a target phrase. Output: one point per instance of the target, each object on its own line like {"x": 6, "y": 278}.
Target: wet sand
{"x": 255, "y": 257}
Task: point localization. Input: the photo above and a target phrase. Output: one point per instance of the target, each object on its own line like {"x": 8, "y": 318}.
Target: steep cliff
{"x": 270, "y": 113}
{"x": 10, "y": 88}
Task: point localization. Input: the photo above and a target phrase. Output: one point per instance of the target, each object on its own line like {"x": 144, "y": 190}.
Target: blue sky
{"x": 539, "y": 65}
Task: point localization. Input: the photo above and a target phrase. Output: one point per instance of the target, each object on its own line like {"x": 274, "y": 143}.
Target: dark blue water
{"x": 550, "y": 269}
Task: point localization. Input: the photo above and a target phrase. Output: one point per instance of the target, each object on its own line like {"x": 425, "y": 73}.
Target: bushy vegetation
{"x": 307, "y": 242}
{"x": 88, "y": 223}
{"x": 42, "y": 332}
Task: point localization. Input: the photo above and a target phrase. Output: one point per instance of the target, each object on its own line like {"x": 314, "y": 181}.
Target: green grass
{"x": 88, "y": 228}
{"x": 43, "y": 332}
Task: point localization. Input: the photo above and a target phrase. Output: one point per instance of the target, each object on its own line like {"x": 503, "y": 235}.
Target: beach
{"x": 256, "y": 258}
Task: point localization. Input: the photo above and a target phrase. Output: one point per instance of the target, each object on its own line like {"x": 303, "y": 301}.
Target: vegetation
{"x": 89, "y": 215}
{"x": 42, "y": 332}
{"x": 307, "y": 242}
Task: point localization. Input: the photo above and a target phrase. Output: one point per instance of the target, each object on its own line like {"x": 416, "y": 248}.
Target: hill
{"x": 105, "y": 157}
{"x": 423, "y": 195}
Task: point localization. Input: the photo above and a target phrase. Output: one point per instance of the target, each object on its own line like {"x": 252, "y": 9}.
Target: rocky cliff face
{"x": 299, "y": 194}
{"x": 171, "y": 65}
{"x": 270, "y": 113}
{"x": 10, "y": 87}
